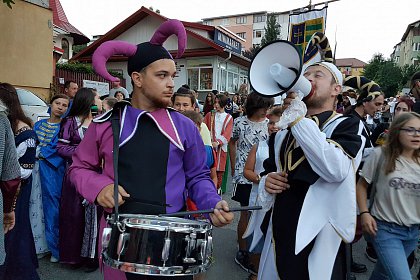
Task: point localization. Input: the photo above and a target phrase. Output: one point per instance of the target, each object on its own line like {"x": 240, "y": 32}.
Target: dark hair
{"x": 196, "y": 117}
{"x": 365, "y": 97}
{"x": 276, "y": 111}
{"x": 58, "y": 96}
{"x": 215, "y": 91}
{"x": 187, "y": 94}
{"x": 119, "y": 92}
{"x": 223, "y": 99}
{"x": 254, "y": 102}
{"x": 186, "y": 86}
{"x": 208, "y": 105}
{"x": 82, "y": 102}
{"x": 184, "y": 92}
{"x": 67, "y": 83}
{"x": 9, "y": 97}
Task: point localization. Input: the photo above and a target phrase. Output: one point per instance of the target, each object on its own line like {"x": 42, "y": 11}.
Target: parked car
{"x": 33, "y": 106}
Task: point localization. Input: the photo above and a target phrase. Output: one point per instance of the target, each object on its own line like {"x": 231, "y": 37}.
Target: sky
{"x": 360, "y": 27}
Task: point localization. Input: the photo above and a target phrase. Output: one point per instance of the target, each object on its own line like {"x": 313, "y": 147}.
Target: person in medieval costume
{"x": 310, "y": 181}
{"x": 9, "y": 179}
{"x": 160, "y": 150}
{"x": 220, "y": 124}
{"x": 48, "y": 173}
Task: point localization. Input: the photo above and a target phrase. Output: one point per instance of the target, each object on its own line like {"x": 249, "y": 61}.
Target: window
{"x": 259, "y": 33}
{"x": 241, "y": 20}
{"x": 259, "y": 18}
{"x": 200, "y": 78}
{"x": 65, "y": 47}
{"x": 225, "y": 21}
{"x": 242, "y": 35}
{"x": 208, "y": 22}
{"x": 416, "y": 47}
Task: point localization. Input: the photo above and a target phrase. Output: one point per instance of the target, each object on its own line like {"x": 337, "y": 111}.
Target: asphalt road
{"x": 224, "y": 266}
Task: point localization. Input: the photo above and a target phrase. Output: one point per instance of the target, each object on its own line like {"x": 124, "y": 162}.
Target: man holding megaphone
{"x": 310, "y": 177}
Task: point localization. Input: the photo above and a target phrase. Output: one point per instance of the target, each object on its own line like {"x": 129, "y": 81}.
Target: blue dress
{"x": 51, "y": 172}
{"x": 21, "y": 261}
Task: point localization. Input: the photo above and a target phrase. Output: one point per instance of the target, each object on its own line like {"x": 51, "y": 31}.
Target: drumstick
{"x": 208, "y": 211}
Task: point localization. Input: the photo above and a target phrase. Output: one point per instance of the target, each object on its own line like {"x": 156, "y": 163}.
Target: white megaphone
{"x": 276, "y": 69}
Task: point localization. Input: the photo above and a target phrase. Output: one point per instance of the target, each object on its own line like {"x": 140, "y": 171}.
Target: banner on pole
{"x": 303, "y": 24}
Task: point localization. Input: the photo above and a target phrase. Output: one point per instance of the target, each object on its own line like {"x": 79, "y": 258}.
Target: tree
{"x": 78, "y": 48}
{"x": 251, "y": 52}
{"x": 407, "y": 72}
{"x": 272, "y": 30}
{"x": 385, "y": 73}
{"x": 373, "y": 66}
{"x": 8, "y": 3}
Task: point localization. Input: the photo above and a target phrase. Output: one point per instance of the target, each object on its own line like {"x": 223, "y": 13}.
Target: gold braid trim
{"x": 322, "y": 41}
{"x": 15, "y": 199}
{"x": 364, "y": 84}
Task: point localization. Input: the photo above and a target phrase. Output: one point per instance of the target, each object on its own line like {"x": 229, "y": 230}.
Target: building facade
{"x": 250, "y": 26}
{"x": 350, "y": 66}
{"x": 212, "y": 59}
{"x": 26, "y": 64}
{"x": 407, "y": 52}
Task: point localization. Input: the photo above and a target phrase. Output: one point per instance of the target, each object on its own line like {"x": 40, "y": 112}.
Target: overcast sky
{"x": 364, "y": 27}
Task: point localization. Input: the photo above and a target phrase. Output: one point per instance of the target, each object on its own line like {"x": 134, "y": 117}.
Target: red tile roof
{"x": 60, "y": 20}
{"x": 212, "y": 48}
{"x": 352, "y": 62}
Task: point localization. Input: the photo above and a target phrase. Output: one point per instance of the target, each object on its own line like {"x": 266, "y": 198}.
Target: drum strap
{"x": 115, "y": 123}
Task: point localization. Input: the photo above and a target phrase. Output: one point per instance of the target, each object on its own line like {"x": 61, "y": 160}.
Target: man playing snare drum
{"x": 160, "y": 150}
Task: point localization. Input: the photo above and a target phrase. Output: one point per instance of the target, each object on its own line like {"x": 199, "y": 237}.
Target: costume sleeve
{"x": 207, "y": 121}
{"x": 10, "y": 173}
{"x": 86, "y": 169}
{"x": 331, "y": 158}
{"x": 226, "y": 132}
{"x": 65, "y": 144}
{"x": 269, "y": 164}
{"x": 379, "y": 129}
{"x": 26, "y": 155}
{"x": 199, "y": 184}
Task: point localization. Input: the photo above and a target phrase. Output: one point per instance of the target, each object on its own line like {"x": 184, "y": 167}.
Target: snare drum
{"x": 152, "y": 245}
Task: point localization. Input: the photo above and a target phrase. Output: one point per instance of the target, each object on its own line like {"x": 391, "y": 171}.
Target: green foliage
{"x": 388, "y": 75}
{"x": 407, "y": 72}
{"x": 251, "y": 52}
{"x": 78, "y": 48}
{"x": 82, "y": 68}
{"x": 272, "y": 30}
{"x": 9, "y": 3}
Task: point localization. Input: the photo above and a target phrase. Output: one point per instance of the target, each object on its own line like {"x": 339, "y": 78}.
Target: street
{"x": 224, "y": 266}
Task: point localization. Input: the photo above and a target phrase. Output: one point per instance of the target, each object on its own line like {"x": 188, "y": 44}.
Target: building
{"x": 65, "y": 34}
{"x": 212, "y": 59}
{"x": 27, "y": 44}
{"x": 350, "y": 66}
{"x": 250, "y": 26}
{"x": 407, "y": 52}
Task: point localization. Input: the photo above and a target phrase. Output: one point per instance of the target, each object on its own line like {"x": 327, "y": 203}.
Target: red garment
{"x": 226, "y": 133}
{"x": 9, "y": 191}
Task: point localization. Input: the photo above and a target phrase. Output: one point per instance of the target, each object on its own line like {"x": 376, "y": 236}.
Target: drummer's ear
{"x": 137, "y": 79}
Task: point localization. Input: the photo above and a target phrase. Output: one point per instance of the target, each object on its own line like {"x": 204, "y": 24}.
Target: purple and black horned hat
{"x": 143, "y": 54}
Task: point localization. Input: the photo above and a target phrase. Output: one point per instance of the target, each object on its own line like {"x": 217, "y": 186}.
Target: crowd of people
{"x": 57, "y": 175}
